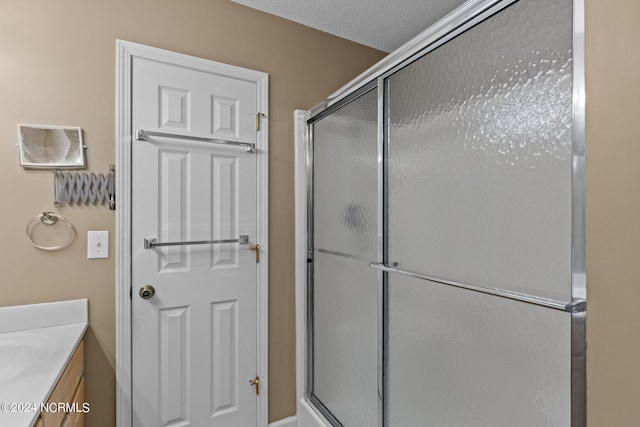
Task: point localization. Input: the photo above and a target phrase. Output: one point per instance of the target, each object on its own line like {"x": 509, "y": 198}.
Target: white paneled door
{"x": 194, "y": 330}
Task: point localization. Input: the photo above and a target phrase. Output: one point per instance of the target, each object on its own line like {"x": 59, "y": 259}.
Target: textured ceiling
{"x": 381, "y": 24}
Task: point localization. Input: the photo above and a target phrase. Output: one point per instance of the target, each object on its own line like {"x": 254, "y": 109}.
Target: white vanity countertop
{"x": 36, "y": 343}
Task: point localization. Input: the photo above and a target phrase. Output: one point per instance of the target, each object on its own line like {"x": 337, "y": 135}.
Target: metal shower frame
{"x": 463, "y": 18}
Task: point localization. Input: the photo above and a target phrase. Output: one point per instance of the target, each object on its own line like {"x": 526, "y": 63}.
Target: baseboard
{"x": 286, "y": 422}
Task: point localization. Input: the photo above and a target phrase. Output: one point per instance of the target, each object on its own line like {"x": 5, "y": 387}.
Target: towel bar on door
{"x": 150, "y": 242}
{"x": 142, "y": 135}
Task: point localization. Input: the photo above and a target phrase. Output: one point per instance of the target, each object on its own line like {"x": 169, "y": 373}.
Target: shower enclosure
{"x": 444, "y": 279}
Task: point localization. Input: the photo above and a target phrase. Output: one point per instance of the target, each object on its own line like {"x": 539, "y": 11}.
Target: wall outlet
{"x": 97, "y": 244}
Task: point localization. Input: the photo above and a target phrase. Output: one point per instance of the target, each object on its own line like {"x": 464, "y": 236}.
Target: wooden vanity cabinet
{"x": 76, "y": 419}
{"x": 69, "y": 389}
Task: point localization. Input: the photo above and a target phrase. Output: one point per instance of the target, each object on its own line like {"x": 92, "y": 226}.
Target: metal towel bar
{"x": 142, "y": 135}
{"x": 150, "y": 242}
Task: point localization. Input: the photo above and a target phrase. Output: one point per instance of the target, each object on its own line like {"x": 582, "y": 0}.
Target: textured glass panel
{"x": 345, "y": 339}
{"x": 480, "y": 154}
{"x": 345, "y": 238}
{"x": 461, "y": 358}
{"x": 345, "y": 179}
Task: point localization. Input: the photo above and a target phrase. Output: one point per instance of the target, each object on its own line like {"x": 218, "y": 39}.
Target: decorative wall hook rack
{"x": 85, "y": 188}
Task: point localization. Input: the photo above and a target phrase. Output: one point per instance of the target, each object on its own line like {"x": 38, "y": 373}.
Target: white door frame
{"x": 125, "y": 52}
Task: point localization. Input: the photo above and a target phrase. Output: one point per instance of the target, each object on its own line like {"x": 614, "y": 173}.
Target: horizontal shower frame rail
{"x": 576, "y": 306}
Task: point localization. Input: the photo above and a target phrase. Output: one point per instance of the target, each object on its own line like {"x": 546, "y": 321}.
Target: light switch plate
{"x": 97, "y": 244}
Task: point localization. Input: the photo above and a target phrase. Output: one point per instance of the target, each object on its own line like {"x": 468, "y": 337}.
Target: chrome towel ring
{"x": 48, "y": 219}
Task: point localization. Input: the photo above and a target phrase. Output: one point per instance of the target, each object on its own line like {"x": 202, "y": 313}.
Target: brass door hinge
{"x": 258, "y": 115}
{"x": 256, "y": 248}
{"x": 256, "y": 383}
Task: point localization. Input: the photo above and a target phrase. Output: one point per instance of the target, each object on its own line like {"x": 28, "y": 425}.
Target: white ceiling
{"x": 381, "y": 24}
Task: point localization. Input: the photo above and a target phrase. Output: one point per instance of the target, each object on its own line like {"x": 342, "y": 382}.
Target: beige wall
{"x": 613, "y": 212}
{"x": 58, "y": 67}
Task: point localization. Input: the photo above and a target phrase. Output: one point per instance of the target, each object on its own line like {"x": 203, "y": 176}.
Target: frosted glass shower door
{"x": 480, "y": 154}
{"x": 479, "y": 135}
{"x": 344, "y": 334}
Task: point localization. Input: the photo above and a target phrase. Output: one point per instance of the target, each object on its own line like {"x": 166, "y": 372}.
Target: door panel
{"x": 345, "y": 181}
{"x": 480, "y": 158}
{"x": 465, "y": 359}
{"x": 480, "y": 192}
{"x": 345, "y": 328}
{"x": 345, "y": 339}
{"x": 175, "y": 108}
{"x": 172, "y": 219}
{"x": 224, "y": 333}
{"x": 194, "y": 341}
{"x": 173, "y": 363}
